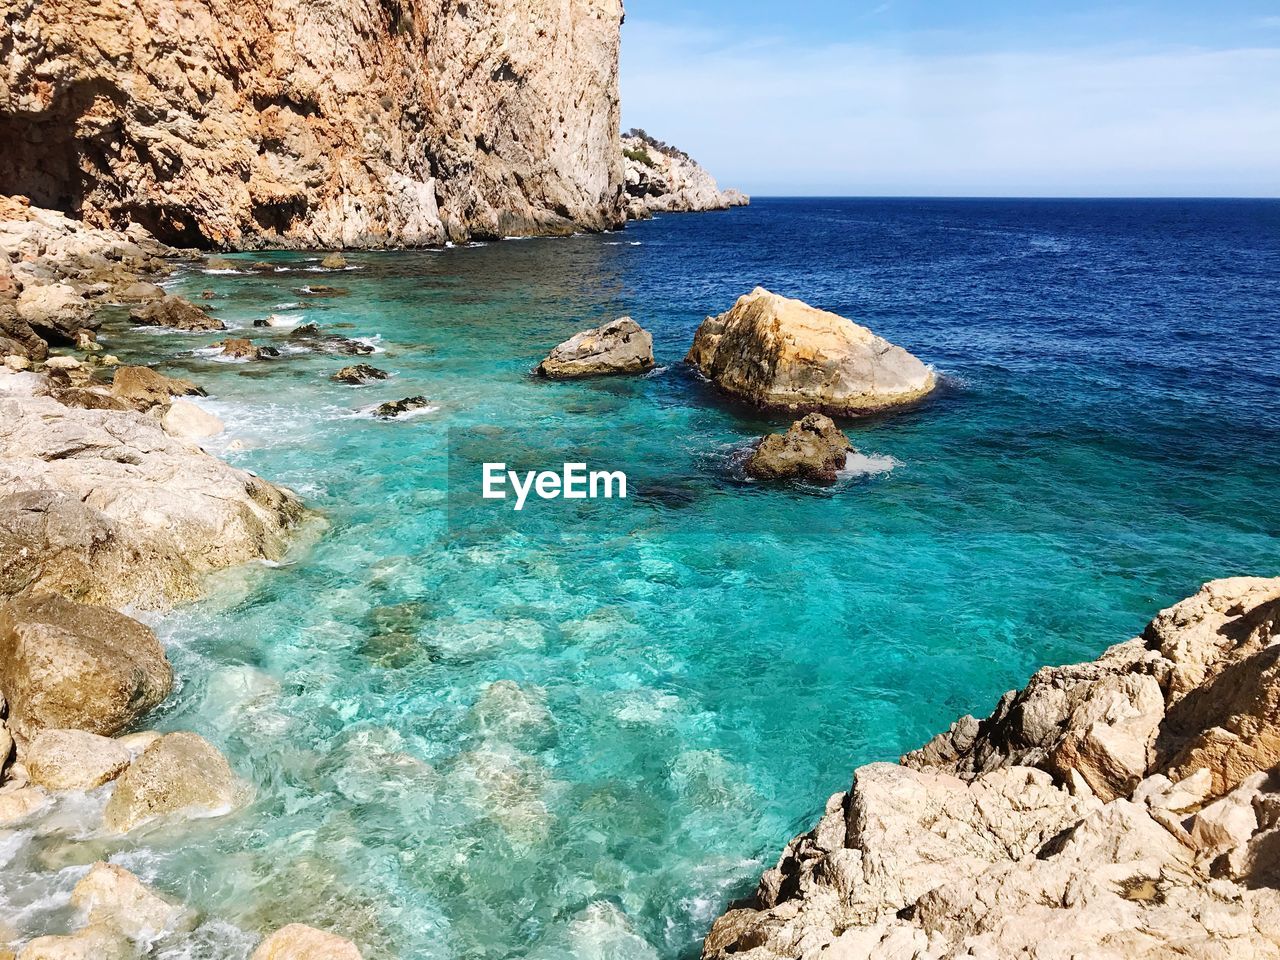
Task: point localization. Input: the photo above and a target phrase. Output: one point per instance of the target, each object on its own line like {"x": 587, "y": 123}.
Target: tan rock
{"x": 334, "y": 261}
{"x": 19, "y": 803}
{"x": 15, "y": 362}
{"x": 185, "y": 419}
{"x": 618, "y": 347}
{"x": 300, "y": 942}
{"x": 176, "y": 313}
{"x": 92, "y": 943}
{"x": 814, "y": 448}
{"x": 55, "y": 311}
{"x": 73, "y": 759}
{"x": 180, "y": 775}
{"x": 115, "y": 899}
{"x": 144, "y": 388}
{"x": 783, "y": 354}
{"x": 662, "y": 179}
{"x": 65, "y": 665}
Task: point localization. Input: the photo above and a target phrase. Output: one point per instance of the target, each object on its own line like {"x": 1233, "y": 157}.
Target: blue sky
{"x": 907, "y": 97}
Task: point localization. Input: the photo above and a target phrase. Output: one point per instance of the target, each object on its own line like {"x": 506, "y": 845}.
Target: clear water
{"x": 682, "y": 678}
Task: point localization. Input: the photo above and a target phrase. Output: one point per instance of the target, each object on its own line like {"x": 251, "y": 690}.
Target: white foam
{"x": 865, "y": 465}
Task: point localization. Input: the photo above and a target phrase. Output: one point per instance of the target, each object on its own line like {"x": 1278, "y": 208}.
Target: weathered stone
{"x": 322, "y": 290}
{"x": 619, "y": 346}
{"x": 814, "y": 448}
{"x": 114, "y": 898}
{"x": 359, "y": 373}
{"x": 311, "y": 336}
{"x": 65, "y": 665}
{"x": 783, "y": 354}
{"x": 97, "y": 942}
{"x": 19, "y": 803}
{"x": 179, "y": 775}
{"x": 397, "y": 408}
{"x": 73, "y": 759}
{"x": 137, "y": 291}
{"x": 55, "y": 311}
{"x": 238, "y": 348}
{"x": 662, "y": 179}
{"x": 299, "y": 942}
{"x": 144, "y": 388}
{"x": 185, "y": 419}
{"x": 334, "y": 261}
{"x": 176, "y": 313}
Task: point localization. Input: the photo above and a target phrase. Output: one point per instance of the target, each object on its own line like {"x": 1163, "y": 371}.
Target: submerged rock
{"x": 300, "y": 942}
{"x": 74, "y": 759}
{"x": 114, "y": 898}
{"x": 359, "y": 373}
{"x": 310, "y": 335}
{"x": 619, "y": 346}
{"x": 97, "y": 942}
{"x": 779, "y": 353}
{"x": 175, "y": 312}
{"x": 66, "y": 665}
{"x": 814, "y": 448}
{"x": 321, "y": 290}
{"x": 1113, "y": 809}
{"x": 179, "y": 775}
{"x": 396, "y": 408}
{"x": 143, "y": 388}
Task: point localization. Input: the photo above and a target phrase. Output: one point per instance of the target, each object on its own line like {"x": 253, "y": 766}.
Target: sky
{"x": 920, "y": 98}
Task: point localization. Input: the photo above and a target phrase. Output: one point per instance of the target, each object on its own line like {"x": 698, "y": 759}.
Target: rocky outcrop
{"x": 779, "y": 353}
{"x": 181, "y": 775}
{"x": 143, "y": 388}
{"x": 398, "y": 408}
{"x": 299, "y": 942}
{"x": 106, "y": 507}
{"x": 619, "y": 346}
{"x": 311, "y": 336}
{"x": 359, "y": 373}
{"x": 814, "y": 448}
{"x": 175, "y": 313}
{"x": 356, "y": 123}
{"x": 66, "y": 665}
{"x": 661, "y": 179}
{"x": 239, "y": 348}
{"x": 1128, "y": 807}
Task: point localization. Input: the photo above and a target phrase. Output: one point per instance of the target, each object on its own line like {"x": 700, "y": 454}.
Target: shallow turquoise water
{"x": 684, "y": 676}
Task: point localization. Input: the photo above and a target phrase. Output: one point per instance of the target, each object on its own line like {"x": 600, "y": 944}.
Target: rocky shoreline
{"x": 1123, "y": 808}
{"x": 661, "y": 178}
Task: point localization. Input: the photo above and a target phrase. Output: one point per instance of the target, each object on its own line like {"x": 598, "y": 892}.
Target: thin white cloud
{"x": 776, "y": 117}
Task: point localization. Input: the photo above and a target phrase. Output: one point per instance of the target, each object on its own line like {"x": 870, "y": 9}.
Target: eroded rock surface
{"x": 180, "y": 775}
{"x": 357, "y": 123}
{"x": 663, "y": 179}
{"x": 176, "y": 313}
{"x": 618, "y": 347}
{"x": 780, "y": 353}
{"x": 813, "y": 448}
{"x": 1128, "y": 807}
{"x": 300, "y": 942}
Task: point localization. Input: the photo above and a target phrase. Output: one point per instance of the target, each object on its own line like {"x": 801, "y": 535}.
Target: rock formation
{"x": 175, "y": 313}
{"x": 300, "y": 942}
{"x": 359, "y": 373}
{"x": 780, "y": 353}
{"x": 661, "y": 179}
{"x": 355, "y": 123}
{"x": 814, "y": 448}
{"x": 619, "y": 346}
{"x": 179, "y": 775}
{"x": 398, "y": 408}
{"x": 1124, "y": 808}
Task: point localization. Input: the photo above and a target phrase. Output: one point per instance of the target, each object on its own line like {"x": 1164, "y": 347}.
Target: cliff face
{"x": 1124, "y": 808}
{"x": 663, "y": 179}
{"x": 361, "y": 123}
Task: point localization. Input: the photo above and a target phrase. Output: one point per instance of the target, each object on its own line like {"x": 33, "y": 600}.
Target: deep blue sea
{"x": 579, "y": 731}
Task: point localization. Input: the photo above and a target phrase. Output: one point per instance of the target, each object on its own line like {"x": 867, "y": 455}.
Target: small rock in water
{"x": 242, "y": 349}
{"x": 207, "y": 294}
{"x": 310, "y": 335}
{"x": 813, "y": 448}
{"x": 300, "y": 942}
{"x": 219, "y": 263}
{"x": 359, "y": 373}
{"x": 275, "y": 320}
{"x": 395, "y": 408}
{"x": 320, "y": 290}
{"x": 334, "y": 261}
{"x": 262, "y": 266}
{"x": 619, "y": 346}
{"x": 175, "y": 312}
{"x": 74, "y": 759}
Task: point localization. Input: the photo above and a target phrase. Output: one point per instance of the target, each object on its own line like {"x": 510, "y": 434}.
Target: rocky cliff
{"x": 1125, "y": 808}
{"x": 663, "y": 179}
{"x": 315, "y": 123}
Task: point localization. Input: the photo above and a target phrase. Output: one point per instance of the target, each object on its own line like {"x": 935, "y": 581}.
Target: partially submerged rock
{"x": 97, "y": 942}
{"x": 334, "y": 261}
{"x": 73, "y": 759}
{"x": 180, "y": 775}
{"x": 783, "y": 354}
{"x": 322, "y": 290}
{"x": 300, "y": 942}
{"x": 116, "y": 899}
{"x": 66, "y": 665}
{"x": 241, "y": 349}
{"x": 185, "y": 419}
{"x": 310, "y": 335}
{"x": 359, "y": 373}
{"x": 143, "y": 388}
{"x": 176, "y": 313}
{"x": 814, "y": 448}
{"x": 619, "y": 346}
{"x": 1115, "y": 809}
{"x": 396, "y": 408}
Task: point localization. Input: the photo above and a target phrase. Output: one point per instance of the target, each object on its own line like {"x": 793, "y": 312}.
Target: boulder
{"x": 66, "y": 665}
{"x": 334, "y": 261}
{"x": 62, "y": 363}
{"x": 73, "y": 759}
{"x": 310, "y": 335}
{"x": 55, "y": 311}
{"x": 185, "y": 419}
{"x": 813, "y": 448}
{"x": 19, "y": 803}
{"x": 114, "y": 898}
{"x": 359, "y": 373}
{"x": 176, "y": 313}
{"x": 321, "y": 290}
{"x": 17, "y": 336}
{"x": 300, "y": 942}
{"x": 396, "y": 408}
{"x": 98, "y": 942}
{"x": 219, "y": 263}
{"x": 239, "y": 348}
{"x": 619, "y": 346}
{"x": 137, "y": 291}
{"x": 181, "y": 775}
{"x": 143, "y": 388}
{"x": 779, "y": 353}
{"x": 276, "y": 320}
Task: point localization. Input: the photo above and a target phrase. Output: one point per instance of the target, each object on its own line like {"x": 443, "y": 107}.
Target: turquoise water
{"x": 579, "y": 731}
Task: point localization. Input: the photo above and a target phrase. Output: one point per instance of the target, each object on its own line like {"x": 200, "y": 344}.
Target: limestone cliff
{"x": 1125, "y": 808}
{"x": 303, "y": 123}
{"x": 663, "y": 179}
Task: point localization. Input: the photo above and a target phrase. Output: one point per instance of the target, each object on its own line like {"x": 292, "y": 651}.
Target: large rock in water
{"x": 619, "y": 346}
{"x": 300, "y": 942}
{"x": 176, "y": 313}
{"x": 74, "y": 759}
{"x": 116, "y": 899}
{"x": 1116, "y": 809}
{"x": 814, "y": 448}
{"x": 783, "y": 354}
{"x": 325, "y": 125}
{"x": 105, "y": 507}
{"x": 143, "y": 388}
{"x": 179, "y": 775}
{"x": 67, "y": 665}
